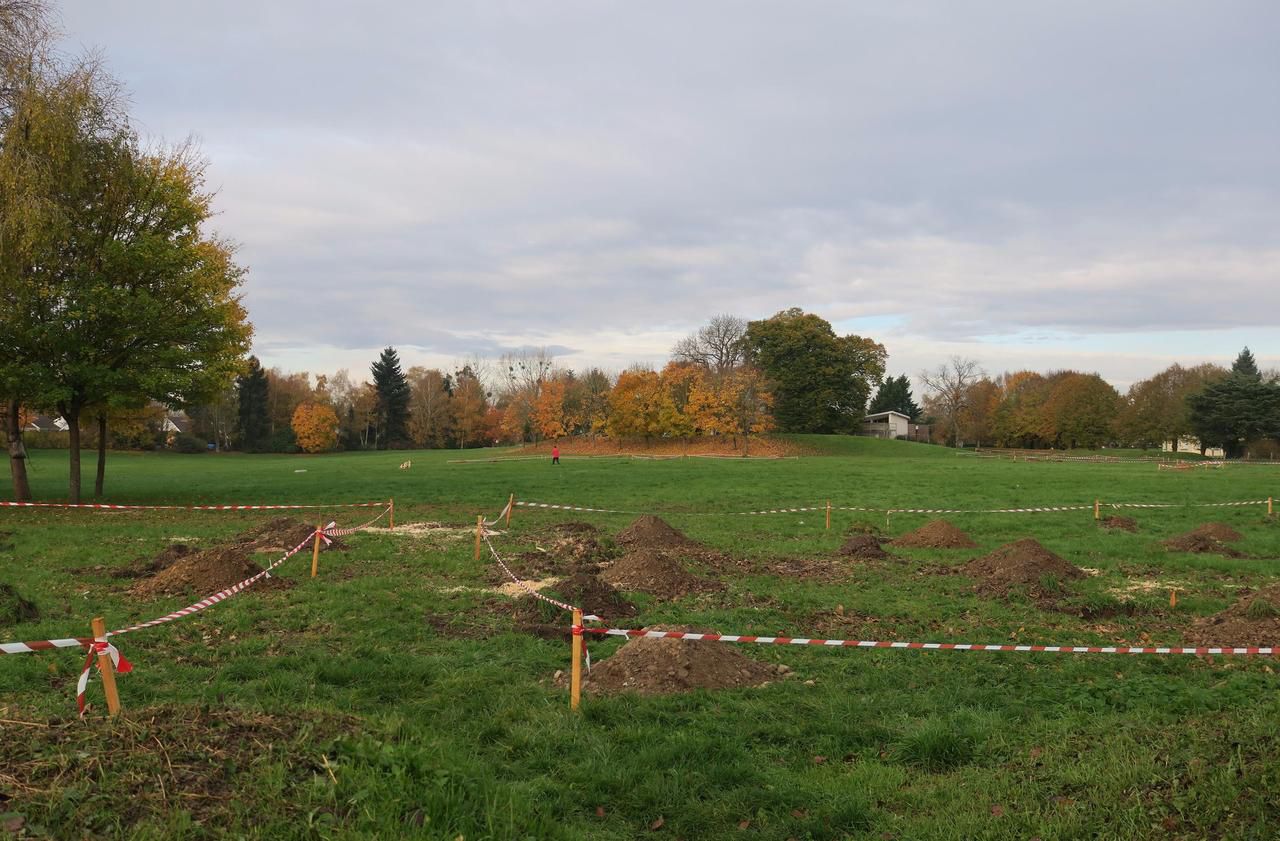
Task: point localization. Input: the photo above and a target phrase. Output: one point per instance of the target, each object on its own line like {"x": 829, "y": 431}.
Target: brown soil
{"x": 649, "y": 532}
{"x": 582, "y": 590}
{"x": 150, "y": 566}
{"x": 656, "y": 573}
{"x": 864, "y": 547}
{"x": 185, "y": 572}
{"x": 665, "y": 666}
{"x": 1114, "y": 523}
{"x": 150, "y": 759}
{"x": 938, "y": 534}
{"x": 14, "y": 608}
{"x": 1210, "y": 538}
{"x": 564, "y": 549}
{"x": 1023, "y": 563}
{"x": 1244, "y": 623}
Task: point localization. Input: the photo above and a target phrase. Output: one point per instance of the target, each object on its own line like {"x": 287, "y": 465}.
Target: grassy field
{"x": 394, "y": 696}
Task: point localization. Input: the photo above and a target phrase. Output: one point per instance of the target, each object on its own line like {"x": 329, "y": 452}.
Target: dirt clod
{"x": 657, "y": 573}
{"x": 938, "y": 534}
{"x": 1253, "y": 620}
{"x": 185, "y": 572}
{"x": 1210, "y": 538}
{"x": 864, "y": 547}
{"x": 664, "y": 666}
{"x": 1114, "y": 523}
{"x": 1023, "y": 563}
{"x": 14, "y": 608}
{"x": 649, "y": 532}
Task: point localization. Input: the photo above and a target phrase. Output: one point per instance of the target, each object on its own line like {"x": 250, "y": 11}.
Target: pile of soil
{"x": 586, "y": 591}
{"x": 657, "y": 573}
{"x": 1253, "y": 620}
{"x": 1114, "y": 523}
{"x": 649, "y": 532}
{"x": 184, "y": 571}
{"x": 150, "y": 566}
{"x": 938, "y": 534}
{"x": 864, "y": 547}
{"x": 565, "y": 549}
{"x": 14, "y": 608}
{"x": 665, "y": 666}
{"x": 1023, "y": 563}
{"x": 1210, "y": 538}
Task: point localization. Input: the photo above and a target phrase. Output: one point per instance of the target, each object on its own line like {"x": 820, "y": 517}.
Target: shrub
{"x": 188, "y": 444}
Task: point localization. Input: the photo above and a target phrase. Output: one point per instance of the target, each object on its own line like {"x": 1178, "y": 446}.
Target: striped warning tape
{"x": 820, "y": 508}
{"x": 337, "y": 532}
{"x": 112, "y": 507}
{"x": 43, "y": 645}
{"x": 935, "y": 646}
{"x": 521, "y": 583}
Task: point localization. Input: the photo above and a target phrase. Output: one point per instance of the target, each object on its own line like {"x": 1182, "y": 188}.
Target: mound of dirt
{"x": 649, "y": 532}
{"x": 186, "y": 572}
{"x": 150, "y": 566}
{"x": 1114, "y": 523}
{"x": 1210, "y": 538}
{"x": 656, "y": 573}
{"x": 1023, "y": 563}
{"x": 586, "y": 591}
{"x": 665, "y": 666}
{"x": 14, "y": 608}
{"x": 864, "y": 547}
{"x": 938, "y": 534}
{"x": 1253, "y": 620}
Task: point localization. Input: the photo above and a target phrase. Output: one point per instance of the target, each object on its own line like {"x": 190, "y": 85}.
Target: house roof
{"x": 885, "y": 416}
{"x": 45, "y": 423}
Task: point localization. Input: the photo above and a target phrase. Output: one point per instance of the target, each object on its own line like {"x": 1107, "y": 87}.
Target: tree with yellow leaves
{"x": 315, "y": 425}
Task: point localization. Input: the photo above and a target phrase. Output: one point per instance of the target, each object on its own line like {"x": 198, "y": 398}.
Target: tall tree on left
{"x": 112, "y": 294}
{"x": 393, "y": 392}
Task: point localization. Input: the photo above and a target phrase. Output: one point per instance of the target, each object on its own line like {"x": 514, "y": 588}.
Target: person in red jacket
{"x": 555, "y": 453}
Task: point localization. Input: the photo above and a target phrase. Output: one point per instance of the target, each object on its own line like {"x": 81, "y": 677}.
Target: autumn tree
{"x": 1157, "y": 410}
{"x": 430, "y": 415}
{"x": 978, "y": 417}
{"x": 1083, "y": 410}
{"x": 548, "y": 418}
{"x": 393, "y": 399}
{"x": 636, "y": 405}
{"x": 948, "y": 386}
{"x": 315, "y": 427}
{"x": 820, "y": 381}
{"x": 470, "y": 409}
{"x": 720, "y": 346}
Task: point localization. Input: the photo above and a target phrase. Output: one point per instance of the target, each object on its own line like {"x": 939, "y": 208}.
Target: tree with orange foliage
{"x": 315, "y": 426}
{"x": 548, "y": 417}
{"x": 635, "y": 405}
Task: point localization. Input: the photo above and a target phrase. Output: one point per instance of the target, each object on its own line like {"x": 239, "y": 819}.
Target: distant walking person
{"x": 555, "y": 453}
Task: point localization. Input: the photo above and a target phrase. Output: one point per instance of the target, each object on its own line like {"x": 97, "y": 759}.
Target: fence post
{"x": 511, "y": 504}
{"x": 1268, "y": 506}
{"x": 107, "y": 669}
{"x": 392, "y": 524}
{"x": 479, "y": 533}
{"x": 315, "y": 551}
{"x": 1097, "y": 506}
{"x": 828, "y": 514}
{"x": 575, "y": 668}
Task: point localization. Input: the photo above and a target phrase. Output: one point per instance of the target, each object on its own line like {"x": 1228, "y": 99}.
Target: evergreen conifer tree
{"x": 253, "y": 424}
{"x": 392, "y": 388}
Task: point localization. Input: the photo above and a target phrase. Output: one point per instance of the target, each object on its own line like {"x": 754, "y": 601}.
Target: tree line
{"x": 1235, "y": 409}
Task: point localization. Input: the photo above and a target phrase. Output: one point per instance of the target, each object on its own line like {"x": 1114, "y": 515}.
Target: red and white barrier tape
{"x": 97, "y": 647}
{"x": 936, "y": 646}
{"x": 520, "y": 582}
{"x": 821, "y": 508}
{"x": 111, "y": 507}
{"x": 43, "y": 645}
{"x": 332, "y": 531}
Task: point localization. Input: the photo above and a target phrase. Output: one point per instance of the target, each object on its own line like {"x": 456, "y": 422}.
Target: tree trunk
{"x": 100, "y": 478}
{"x": 17, "y": 454}
{"x": 73, "y": 436}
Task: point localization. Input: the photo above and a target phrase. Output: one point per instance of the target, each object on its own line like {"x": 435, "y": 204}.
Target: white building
{"x": 1190, "y": 445}
{"x": 887, "y": 425}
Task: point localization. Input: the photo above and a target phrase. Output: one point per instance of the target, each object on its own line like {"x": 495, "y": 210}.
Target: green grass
{"x": 393, "y": 697}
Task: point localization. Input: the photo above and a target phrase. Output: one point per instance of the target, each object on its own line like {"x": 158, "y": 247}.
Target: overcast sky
{"x": 1046, "y": 185}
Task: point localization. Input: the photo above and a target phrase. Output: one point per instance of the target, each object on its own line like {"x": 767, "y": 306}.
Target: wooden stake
{"x": 1268, "y": 506}
{"x": 511, "y": 504}
{"x": 575, "y": 668}
{"x": 479, "y": 533}
{"x": 828, "y": 514}
{"x": 1173, "y": 598}
{"x": 393, "y": 514}
{"x": 315, "y": 552}
{"x": 1097, "y": 506}
{"x": 107, "y": 669}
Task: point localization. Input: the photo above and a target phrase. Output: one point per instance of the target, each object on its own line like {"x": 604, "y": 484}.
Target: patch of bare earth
{"x": 938, "y": 534}
{"x": 1253, "y": 620}
{"x": 1210, "y": 538}
{"x": 1114, "y": 523}
{"x": 657, "y": 573}
{"x": 186, "y": 571}
{"x": 864, "y": 547}
{"x": 1023, "y": 564}
{"x": 666, "y": 666}
{"x": 564, "y": 549}
{"x": 589, "y": 592}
